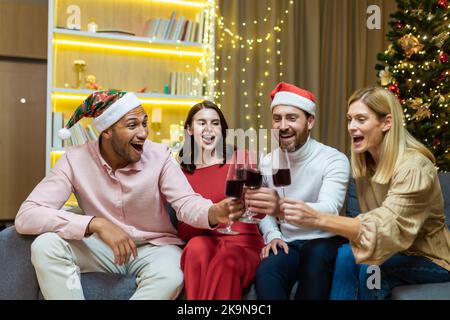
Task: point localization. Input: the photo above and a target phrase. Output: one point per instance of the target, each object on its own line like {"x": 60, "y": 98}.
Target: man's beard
{"x": 120, "y": 151}
{"x": 294, "y": 146}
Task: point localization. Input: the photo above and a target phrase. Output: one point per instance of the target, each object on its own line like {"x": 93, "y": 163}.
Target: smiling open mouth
{"x": 357, "y": 139}
{"x": 208, "y": 139}
{"x": 138, "y": 147}
{"x": 286, "y": 136}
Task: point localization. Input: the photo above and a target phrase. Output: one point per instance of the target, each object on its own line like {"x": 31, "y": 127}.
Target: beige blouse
{"x": 406, "y": 215}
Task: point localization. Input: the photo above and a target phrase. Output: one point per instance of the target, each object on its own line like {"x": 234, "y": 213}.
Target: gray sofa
{"x": 18, "y": 279}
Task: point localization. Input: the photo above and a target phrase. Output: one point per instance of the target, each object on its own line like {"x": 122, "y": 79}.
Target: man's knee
{"x": 270, "y": 266}
{"x": 319, "y": 251}
{"x": 165, "y": 274}
{"x": 173, "y": 277}
{"x": 46, "y": 246}
{"x": 166, "y": 283}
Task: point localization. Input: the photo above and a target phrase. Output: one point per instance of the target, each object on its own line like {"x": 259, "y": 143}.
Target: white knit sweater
{"x": 319, "y": 176}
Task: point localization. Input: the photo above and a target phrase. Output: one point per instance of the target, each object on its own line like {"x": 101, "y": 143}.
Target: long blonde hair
{"x": 395, "y": 141}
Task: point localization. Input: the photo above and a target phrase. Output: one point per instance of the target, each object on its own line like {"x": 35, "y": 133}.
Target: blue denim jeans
{"x": 310, "y": 262}
{"x": 350, "y": 279}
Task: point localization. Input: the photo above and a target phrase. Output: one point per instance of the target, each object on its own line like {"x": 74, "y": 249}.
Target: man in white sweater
{"x": 319, "y": 176}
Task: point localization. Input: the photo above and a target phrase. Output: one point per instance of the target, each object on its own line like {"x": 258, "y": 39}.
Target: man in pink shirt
{"x": 121, "y": 182}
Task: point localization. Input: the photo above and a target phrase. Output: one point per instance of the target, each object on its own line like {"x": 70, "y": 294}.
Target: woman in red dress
{"x": 216, "y": 266}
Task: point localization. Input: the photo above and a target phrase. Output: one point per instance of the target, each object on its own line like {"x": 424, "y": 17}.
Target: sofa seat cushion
{"x": 429, "y": 291}
{"x": 107, "y": 286}
{"x": 17, "y": 276}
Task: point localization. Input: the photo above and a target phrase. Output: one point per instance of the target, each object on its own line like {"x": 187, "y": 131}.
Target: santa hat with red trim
{"x": 106, "y": 107}
{"x": 290, "y": 95}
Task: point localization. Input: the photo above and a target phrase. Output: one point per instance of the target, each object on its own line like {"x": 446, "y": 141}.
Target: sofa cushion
{"x": 429, "y": 291}
{"x": 249, "y": 293}
{"x": 107, "y": 286}
{"x": 17, "y": 276}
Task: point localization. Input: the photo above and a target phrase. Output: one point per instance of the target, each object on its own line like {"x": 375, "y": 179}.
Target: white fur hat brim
{"x": 116, "y": 111}
{"x": 287, "y": 98}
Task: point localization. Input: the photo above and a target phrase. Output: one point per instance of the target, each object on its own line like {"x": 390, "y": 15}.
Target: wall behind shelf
{"x": 23, "y": 28}
{"x": 120, "y": 15}
{"x": 23, "y": 71}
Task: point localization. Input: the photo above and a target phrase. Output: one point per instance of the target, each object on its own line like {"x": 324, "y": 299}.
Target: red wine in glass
{"x": 234, "y": 188}
{"x": 282, "y": 178}
{"x": 254, "y": 179}
{"x": 282, "y": 174}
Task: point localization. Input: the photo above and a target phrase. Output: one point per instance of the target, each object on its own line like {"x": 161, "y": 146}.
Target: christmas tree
{"x": 416, "y": 68}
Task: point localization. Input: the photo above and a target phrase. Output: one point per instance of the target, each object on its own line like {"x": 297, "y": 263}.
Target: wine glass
{"x": 281, "y": 172}
{"x": 234, "y": 187}
{"x": 253, "y": 181}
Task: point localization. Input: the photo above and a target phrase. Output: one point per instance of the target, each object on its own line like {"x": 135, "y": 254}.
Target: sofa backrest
{"x": 444, "y": 179}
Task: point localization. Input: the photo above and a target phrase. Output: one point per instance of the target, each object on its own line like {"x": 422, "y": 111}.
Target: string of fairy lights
{"x": 226, "y": 36}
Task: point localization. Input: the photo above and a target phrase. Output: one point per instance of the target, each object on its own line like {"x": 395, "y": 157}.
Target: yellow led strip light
{"x": 129, "y": 48}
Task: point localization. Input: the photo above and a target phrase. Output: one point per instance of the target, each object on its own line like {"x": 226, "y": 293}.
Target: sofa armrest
{"x": 17, "y": 275}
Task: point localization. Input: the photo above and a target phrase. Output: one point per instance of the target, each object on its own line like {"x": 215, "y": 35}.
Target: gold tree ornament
{"x": 79, "y": 66}
{"x": 390, "y": 49}
{"x": 423, "y": 112}
{"x": 422, "y": 109}
{"x": 385, "y": 77}
{"x": 417, "y": 12}
{"x": 416, "y": 103}
{"x": 411, "y": 45}
{"x": 440, "y": 39}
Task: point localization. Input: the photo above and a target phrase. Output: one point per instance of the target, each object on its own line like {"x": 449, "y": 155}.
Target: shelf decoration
{"x": 79, "y": 66}
{"x": 92, "y": 25}
{"x": 91, "y": 83}
{"x": 74, "y": 20}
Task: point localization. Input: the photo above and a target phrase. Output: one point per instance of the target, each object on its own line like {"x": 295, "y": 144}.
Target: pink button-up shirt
{"x": 133, "y": 197}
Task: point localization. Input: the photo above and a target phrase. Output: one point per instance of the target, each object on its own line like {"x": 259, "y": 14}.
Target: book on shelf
{"x": 175, "y": 29}
{"x": 92, "y": 132}
{"x": 162, "y": 28}
{"x": 172, "y": 81}
{"x": 79, "y": 134}
{"x": 178, "y": 29}
{"x": 151, "y": 27}
{"x": 200, "y": 18}
{"x": 58, "y": 122}
{"x": 186, "y": 34}
{"x": 193, "y": 31}
{"x": 168, "y": 34}
{"x": 186, "y": 84}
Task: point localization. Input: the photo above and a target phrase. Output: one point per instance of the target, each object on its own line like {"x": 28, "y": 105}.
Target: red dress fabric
{"x": 217, "y": 266}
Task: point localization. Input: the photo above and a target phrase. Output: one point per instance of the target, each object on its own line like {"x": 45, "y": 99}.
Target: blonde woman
{"x": 402, "y": 229}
